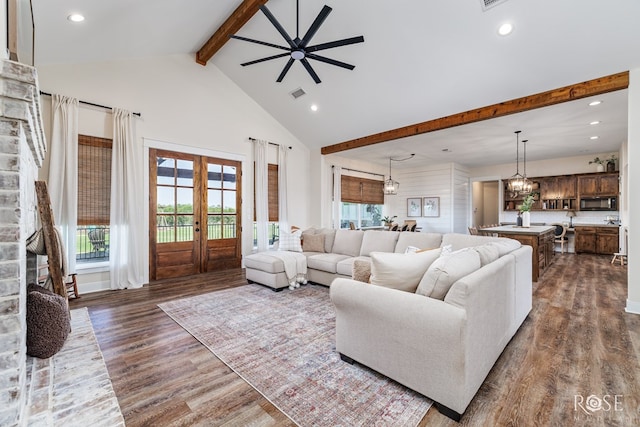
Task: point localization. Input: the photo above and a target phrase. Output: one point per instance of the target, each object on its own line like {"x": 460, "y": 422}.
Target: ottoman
{"x": 265, "y": 270}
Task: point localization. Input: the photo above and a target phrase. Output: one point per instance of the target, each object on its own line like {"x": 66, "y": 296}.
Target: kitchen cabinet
{"x": 597, "y": 240}
{"x": 595, "y": 185}
{"x": 558, "y": 192}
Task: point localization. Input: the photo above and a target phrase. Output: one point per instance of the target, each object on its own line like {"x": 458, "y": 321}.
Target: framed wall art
{"x": 414, "y": 207}
{"x": 431, "y": 207}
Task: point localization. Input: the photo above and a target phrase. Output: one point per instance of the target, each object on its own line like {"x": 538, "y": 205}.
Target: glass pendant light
{"x": 391, "y": 186}
{"x": 516, "y": 181}
{"x": 526, "y": 183}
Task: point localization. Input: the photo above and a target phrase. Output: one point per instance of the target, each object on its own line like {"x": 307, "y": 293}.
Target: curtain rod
{"x": 270, "y": 143}
{"x": 355, "y": 170}
{"x": 91, "y": 103}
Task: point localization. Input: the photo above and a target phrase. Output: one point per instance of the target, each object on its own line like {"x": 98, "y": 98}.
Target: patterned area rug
{"x": 283, "y": 344}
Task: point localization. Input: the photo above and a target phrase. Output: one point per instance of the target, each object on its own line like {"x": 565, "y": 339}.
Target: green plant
{"x": 598, "y": 161}
{"x": 612, "y": 159}
{"x": 389, "y": 219}
{"x": 527, "y": 203}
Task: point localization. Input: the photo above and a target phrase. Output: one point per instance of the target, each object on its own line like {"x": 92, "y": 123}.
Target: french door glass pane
{"x": 185, "y": 200}
{"x": 165, "y": 228}
{"x": 230, "y": 177}
{"x": 229, "y": 202}
{"x": 229, "y": 228}
{"x": 214, "y": 227}
{"x": 184, "y": 228}
{"x": 185, "y": 173}
{"x": 214, "y": 176}
{"x": 214, "y": 201}
{"x": 166, "y": 200}
{"x": 166, "y": 171}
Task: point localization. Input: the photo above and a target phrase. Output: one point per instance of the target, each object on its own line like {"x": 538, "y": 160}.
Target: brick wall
{"x": 22, "y": 148}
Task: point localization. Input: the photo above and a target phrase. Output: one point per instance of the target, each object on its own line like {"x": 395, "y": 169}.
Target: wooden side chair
{"x": 561, "y": 231}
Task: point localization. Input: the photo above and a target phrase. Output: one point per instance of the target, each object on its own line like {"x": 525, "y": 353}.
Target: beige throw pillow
{"x": 400, "y": 271}
{"x": 487, "y": 252}
{"x": 447, "y": 270}
{"x": 361, "y": 270}
{"x": 313, "y": 243}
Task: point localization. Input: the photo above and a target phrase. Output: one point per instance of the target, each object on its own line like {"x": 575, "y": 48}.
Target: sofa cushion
{"x": 263, "y": 262}
{"x": 361, "y": 270}
{"x": 348, "y": 242}
{"x": 419, "y": 240}
{"x": 329, "y": 238}
{"x": 505, "y": 245}
{"x": 313, "y": 242}
{"x": 400, "y": 271}
{"x": 345, "y": 267}
{"x": 487, "y": 252}
{"x": 290, "y": 241}
{"x": 326, "y": 262}
{"x": 446, "y": 270}
{"x": 378, "y": 241}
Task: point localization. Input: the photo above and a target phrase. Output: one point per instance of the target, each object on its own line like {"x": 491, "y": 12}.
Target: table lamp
{"x": 571, "y": 214}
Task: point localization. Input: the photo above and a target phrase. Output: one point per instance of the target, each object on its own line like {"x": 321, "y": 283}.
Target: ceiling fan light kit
{"x": 299, "y": 49}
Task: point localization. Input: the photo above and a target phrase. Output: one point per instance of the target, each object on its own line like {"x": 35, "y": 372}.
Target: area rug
{"x": 73, "y": 388}
{"x": 283, "y": 345}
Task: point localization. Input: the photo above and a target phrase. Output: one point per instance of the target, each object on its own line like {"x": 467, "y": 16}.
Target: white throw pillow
{"x": 446, "y": 250}
{"x": 447, "y": 270}
{"x": 488, "y": 253}
{"x": 400, "y": 271}
{"x": 290, "y": 241}
{"x": 411, "y": 250}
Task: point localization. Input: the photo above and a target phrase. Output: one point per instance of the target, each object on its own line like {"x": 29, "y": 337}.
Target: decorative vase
{"x": 599, "y": 167}
{"x": 519, "y": 220}
{"x": 526, "y": 219}
{"x": 611, "y": 166}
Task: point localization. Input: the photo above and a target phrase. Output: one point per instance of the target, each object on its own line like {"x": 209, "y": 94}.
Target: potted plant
{"x": 525, "y": 209}
{"x": 599, "y": 164}
{"x": 388, "y": 220}
{"x": 611, "y": 163}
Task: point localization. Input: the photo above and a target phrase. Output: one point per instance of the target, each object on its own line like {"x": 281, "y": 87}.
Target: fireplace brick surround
{"x": 22, "y": 150}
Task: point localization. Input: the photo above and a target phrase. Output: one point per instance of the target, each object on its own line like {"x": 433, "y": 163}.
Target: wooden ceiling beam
{"x": 598, "y": 86}
{"x": 232, "y": 25}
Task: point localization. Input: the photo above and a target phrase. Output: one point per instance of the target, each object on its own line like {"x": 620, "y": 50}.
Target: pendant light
{"x": 526, "y": 183}
{"x": 391, "y": 186}
{"x": 516, "y": 182}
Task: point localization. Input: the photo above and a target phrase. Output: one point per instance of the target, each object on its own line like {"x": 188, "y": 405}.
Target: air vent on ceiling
{"x": 488, "y": 4}
{"x": 298, "y": 93}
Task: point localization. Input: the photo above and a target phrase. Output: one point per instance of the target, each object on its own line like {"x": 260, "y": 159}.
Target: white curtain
{"x": 126, "y": 228}
{"x": 262, "y": 199}
{"x": 63, "y": 171}
{"x": 337, "y": 196}
{"x": 283, "y": 219}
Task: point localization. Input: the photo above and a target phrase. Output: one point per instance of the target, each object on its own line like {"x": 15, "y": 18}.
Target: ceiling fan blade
{"x": 313, "y": 29}
{"x": 285, "y": 70}
{"x": 337, "y": 43}
{"x": 312, "y": 73}
{"x": 279, "y": 27}
{"x": 268, "y": 58}
{"x": 259, "y": 42}
{"x": 330, "y": 61}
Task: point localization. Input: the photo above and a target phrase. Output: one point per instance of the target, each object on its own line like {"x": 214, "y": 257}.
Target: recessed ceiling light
{"x": 446, "y": 150}
{"x": 75, "y": 17}
{"x": 593, "y": 103}
{"x": 314, "y": 107}
{"x": 595, "y": 122}
{"x": 594, "y": 137}
{"x": 505, "y": 29}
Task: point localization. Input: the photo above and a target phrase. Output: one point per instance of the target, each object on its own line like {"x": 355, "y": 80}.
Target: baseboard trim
{"x": 632, "y": 307}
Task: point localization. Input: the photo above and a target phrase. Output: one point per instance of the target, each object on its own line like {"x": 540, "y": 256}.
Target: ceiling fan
{"x": 298, "y": 48}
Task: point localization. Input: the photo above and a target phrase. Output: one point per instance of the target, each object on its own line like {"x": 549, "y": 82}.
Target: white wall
{"x": 3, "y": 32}
{"x": 633, "y": 151}
{"x": 192, "y": 107}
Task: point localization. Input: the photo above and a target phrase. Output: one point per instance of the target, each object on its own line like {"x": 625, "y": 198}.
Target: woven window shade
{"x": 272, "y": 189}
{"x": 361, "y": 190}
{"x": 94, "y": 180}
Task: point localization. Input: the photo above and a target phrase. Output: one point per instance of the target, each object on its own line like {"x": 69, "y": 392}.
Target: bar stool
{"x": 623, "y": 258}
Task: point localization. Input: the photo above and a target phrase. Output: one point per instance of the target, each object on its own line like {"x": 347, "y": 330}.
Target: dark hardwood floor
{"x": 577, "y": 342}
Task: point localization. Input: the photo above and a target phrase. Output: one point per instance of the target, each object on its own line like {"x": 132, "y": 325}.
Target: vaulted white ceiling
{"x": 421, "y": 60}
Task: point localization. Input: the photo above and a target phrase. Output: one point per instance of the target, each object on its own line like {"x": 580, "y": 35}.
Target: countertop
{"x": 514, "y": 229}
{"x": 596, "y": 225}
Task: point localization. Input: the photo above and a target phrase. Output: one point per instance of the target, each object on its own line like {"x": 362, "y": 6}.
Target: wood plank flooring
{"x": 577, "y": 341}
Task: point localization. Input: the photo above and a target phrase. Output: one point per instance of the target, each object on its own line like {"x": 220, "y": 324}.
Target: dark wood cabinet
{"x": 597, "y": 240}
{"x": 542, "y": 244}
{"x": 602, "y": 184}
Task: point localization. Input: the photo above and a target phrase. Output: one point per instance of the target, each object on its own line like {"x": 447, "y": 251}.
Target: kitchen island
{"x": 539, "y": 237}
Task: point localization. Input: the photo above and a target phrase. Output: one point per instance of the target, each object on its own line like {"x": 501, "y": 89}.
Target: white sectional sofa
{"x": 440, "y": 342}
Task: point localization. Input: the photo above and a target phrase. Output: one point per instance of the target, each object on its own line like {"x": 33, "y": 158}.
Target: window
{"x": 274, "y": 206}
{"x": 362, "y": 201}
{"x": 94, "y": 199}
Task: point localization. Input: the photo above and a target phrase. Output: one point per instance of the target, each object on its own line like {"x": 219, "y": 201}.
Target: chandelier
{"x": 526, "y": 183}
{"x": 516, "y": 182}
{"x": 390, "y": 186}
